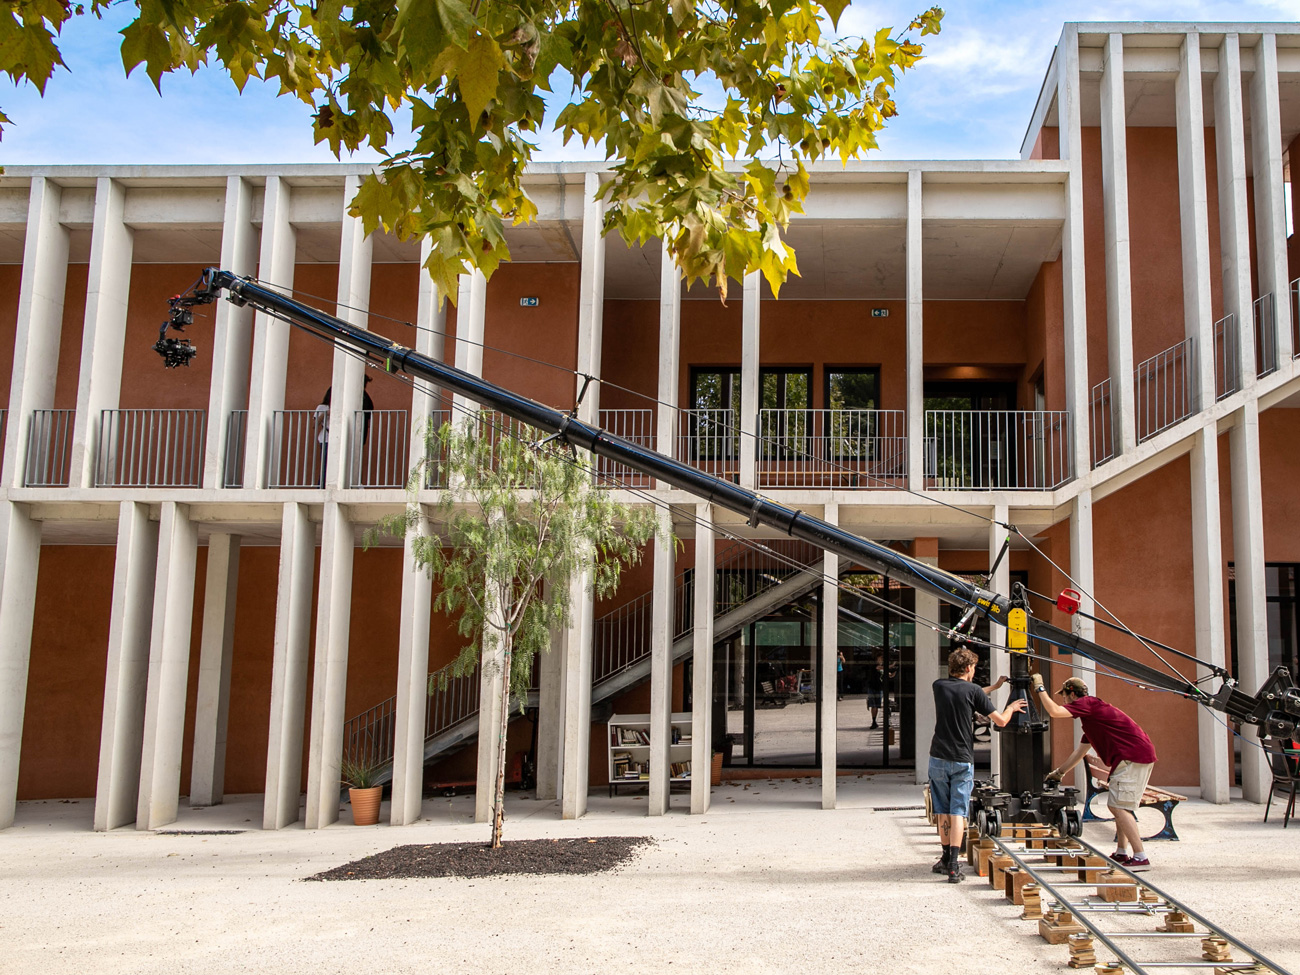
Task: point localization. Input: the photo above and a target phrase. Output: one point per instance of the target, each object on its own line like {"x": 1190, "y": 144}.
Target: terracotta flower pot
{"x": 365, "y": 805}
{"x": 715, "y": 772}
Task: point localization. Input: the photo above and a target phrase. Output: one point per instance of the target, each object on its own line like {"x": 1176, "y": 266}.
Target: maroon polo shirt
{"x": 1113, "y": 734}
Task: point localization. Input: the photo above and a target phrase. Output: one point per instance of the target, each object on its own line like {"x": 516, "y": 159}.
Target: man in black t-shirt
{"x": 952, "y": 751}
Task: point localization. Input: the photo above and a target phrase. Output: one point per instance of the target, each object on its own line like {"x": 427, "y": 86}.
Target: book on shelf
{"x": 630, "y": 736}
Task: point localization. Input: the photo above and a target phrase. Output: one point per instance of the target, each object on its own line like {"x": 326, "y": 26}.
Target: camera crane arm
{"x": 1276, "y": 707}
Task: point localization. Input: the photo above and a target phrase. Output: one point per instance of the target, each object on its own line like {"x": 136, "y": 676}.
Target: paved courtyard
{"x": 765, "y": 882}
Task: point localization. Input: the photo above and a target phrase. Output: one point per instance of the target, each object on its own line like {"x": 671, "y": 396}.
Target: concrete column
{"x": 751, "y": 363}
{"x": 928, "y": 668}
{"x": 591, "y": 298}
{"x": 270, "y": 364}
{"x": 103, "y": 338}
{"x": 661, "y": 664}
{"x": 212, "y": 709}
{"x": 1082, "y": 572}
{"x": 1078, "y": 396}
{"x": 40, "y": 322}
{"x": 21, "y": 539}
{"x": 702, "y": 668}
{"x": 470, "y": 324}
{"x": 1193, "y": 206}
{"x": 1270, "y": 201}
{"x": 232, "y": 334}
{"x": 830, "y": 611}
{"x": 492, "y": 676}
{"x": 169, "y": 666}
{"x": 329, "y": 686}
{"x": 289, "y": 668}
{"x": 1207, "y": 580}
{"x": 430, "y": 339}
{"x": 915, "y": 339}
{"x": 121, "y": 737}
{"x": 1119, "y": 278}
{"x": 999, "y": 581}
{"x": 1234, "y": 221}
{"x": 574, "y": 756}
{"x": 349, "y": 371}
{"x": 1248, "y": 554}
{"x": 412, "y": 684}
{"x": 550, "y": 715}
{"x": 670, "y": 355}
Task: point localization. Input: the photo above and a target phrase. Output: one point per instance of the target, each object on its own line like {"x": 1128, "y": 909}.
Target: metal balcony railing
{"x": 380, "y": 442}
{"x": 710, "y": 440}
{"x": 368, "y": 738}
{"x": 232, "y": 471}
{"x": 1164, "y": 387}
{"x": 435, "y": 475}
{"x": 832, "y": 448}
{"x": 1103, "y": 423}
{"x": 1227, "y": 357}
{"x": 998, "y": 449}
{"x": 638, "y": 426}
{"x": 49, "y": 448}
{"x": 1293, "y": 293}
{"x": 299, "y": 449}
{"x": 150, "y": 448}
{"x": 1265, "y": 336}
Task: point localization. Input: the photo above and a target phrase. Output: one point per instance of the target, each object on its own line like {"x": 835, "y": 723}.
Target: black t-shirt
{"x": 956, "y": 702}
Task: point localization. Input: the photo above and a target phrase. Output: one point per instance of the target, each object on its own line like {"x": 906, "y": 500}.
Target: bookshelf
{"x": 628, "y": 738}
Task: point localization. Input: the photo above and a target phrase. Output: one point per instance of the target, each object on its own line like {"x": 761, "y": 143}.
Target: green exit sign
{"x": 880, "y": 313}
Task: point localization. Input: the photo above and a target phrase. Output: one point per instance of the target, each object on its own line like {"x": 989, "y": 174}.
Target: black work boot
{"x": 955, "y": 876}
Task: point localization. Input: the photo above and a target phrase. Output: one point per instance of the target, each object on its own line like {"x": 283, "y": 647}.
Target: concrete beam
{"x": 232, "y": 337}
{"x": 103, "y": 337}
{"x": 20, "y": 537}
{"x": 1208, "y": 599}
{"x": 329, "y": 687}
{"x": 121, "y": 737}
{"x": 40, "y": 320}
{"x": 289, "y": 668}
{"x": 169, "y": 667}
{"x": 1249, "y": 553}
{"x": 702, "y": 669}
{"x": 353, "y": 306}
{"x": 591, "y": 298}
{"x": 670, "y": 354}
{"x": 661, "y": 664}
{"x": 915, "y": 338}
{"x": 751, "y": 363}
{"x": 828, "y": 666}
{"x": 216, "y": 653}
{"x": 1193, "y": 205}
{"x": 1270, "y": 201}
{"x": 1119, "y": 277}
{"x": 270, "y": 363}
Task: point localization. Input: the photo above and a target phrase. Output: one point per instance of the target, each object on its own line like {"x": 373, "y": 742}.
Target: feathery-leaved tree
{"x": 671, "y": 90}
{"x": 514, "y": 525}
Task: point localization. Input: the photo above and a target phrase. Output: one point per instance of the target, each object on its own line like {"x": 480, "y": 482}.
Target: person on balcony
{"x": 323, "y": 423}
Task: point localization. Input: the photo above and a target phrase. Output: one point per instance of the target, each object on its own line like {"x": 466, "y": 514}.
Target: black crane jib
{"x": 1276, "y": 707}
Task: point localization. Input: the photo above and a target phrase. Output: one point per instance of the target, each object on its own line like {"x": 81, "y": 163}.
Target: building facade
{"x": 1095, "y": 343}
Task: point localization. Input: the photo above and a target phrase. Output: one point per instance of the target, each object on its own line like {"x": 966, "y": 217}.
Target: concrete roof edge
{"x": 1043, "y": 104}
{"x": 1185, "y": 27}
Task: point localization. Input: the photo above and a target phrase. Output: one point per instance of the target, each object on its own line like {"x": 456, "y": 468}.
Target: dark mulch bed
{"x": 572, "y": 856}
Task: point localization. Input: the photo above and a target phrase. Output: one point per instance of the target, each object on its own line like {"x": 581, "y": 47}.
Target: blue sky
{"x": 971, "y": 99}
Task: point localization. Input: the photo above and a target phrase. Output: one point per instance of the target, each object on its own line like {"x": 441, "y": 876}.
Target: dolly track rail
{"x": 1087, "y": 910}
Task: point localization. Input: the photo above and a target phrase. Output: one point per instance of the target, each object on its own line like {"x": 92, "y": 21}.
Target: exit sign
{"x": 530, "y": 302}
{"x": 880, "y": 313}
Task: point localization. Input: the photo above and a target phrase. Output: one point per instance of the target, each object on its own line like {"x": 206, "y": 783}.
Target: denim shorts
{"x": 950, "y": 785}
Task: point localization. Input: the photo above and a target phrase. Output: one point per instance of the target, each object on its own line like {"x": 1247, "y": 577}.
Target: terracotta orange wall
{"x": 1045, "y": 337}
{"x": 10, "y": 276}
{"x": 548, "y": 333}
{"x": 630, "y": 355}
{"x": 821, "y": 335}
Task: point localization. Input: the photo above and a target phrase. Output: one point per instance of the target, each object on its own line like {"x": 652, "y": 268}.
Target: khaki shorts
{"x": 1127, "y": 783}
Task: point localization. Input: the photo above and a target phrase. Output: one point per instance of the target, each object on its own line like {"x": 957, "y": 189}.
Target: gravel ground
{"x": 764, "y": 882}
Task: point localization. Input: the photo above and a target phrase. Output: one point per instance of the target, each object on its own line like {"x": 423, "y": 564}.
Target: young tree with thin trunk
{"x": 515, "y": 524}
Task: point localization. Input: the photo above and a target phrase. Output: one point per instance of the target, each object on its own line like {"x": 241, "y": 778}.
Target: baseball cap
{"x": 1075, "y": 686}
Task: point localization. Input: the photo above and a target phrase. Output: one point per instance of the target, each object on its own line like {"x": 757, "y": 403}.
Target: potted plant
{"x": 361, "y": 776}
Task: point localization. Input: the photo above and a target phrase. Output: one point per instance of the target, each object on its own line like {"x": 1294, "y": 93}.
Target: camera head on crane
{"x": 178, "y": 351}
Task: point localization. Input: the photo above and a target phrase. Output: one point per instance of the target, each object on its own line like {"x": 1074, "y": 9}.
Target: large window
{"x": 853, "y": 388}
{"x": 1281, "y": 580}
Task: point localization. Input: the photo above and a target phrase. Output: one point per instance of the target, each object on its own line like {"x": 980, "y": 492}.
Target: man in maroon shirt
{"x": 1125, "y": 749}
